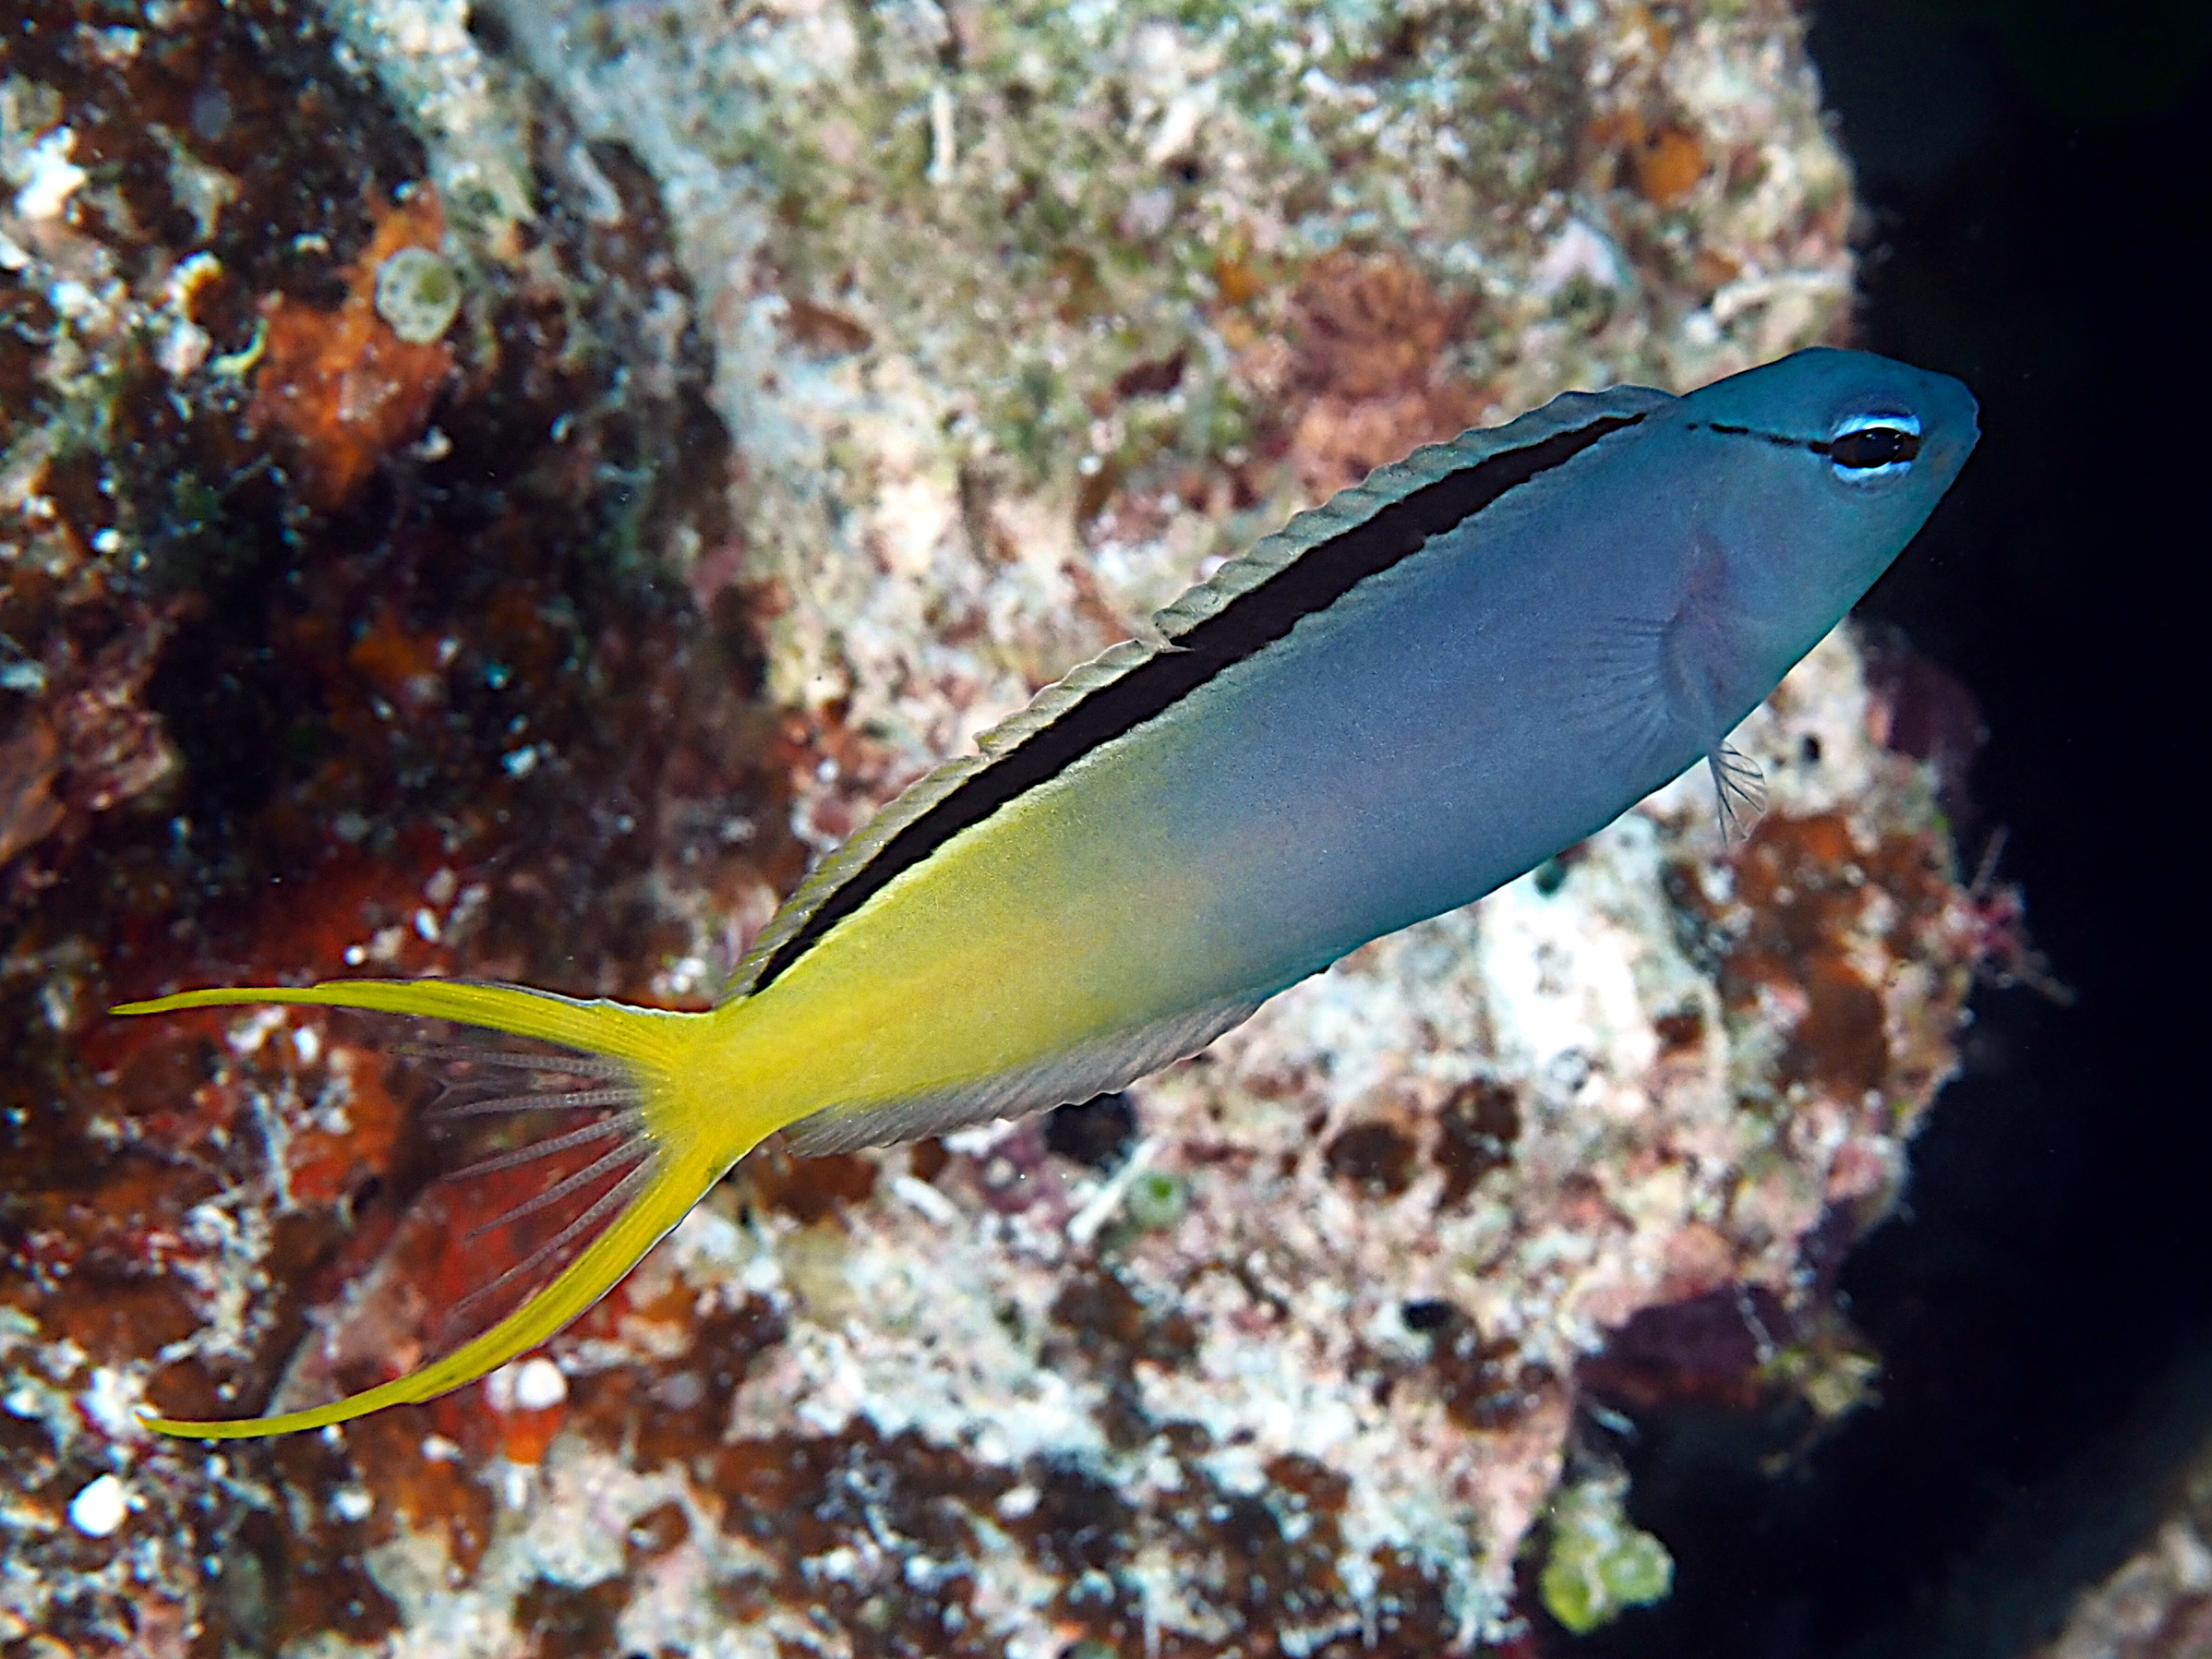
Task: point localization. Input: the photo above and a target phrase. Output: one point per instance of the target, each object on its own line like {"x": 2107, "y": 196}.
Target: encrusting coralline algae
{"x": 889, "y": 360}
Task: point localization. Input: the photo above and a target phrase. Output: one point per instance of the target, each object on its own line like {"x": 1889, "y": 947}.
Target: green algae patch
{"x": 1158, "y": 1199}
{"x": 1600, "y": 1563}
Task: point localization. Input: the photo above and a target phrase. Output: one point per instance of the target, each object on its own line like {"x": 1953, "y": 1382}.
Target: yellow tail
{"x": 657, "y": 1052}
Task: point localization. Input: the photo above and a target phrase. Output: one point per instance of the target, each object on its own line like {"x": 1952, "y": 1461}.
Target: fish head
{"x": 1835, "y": 461}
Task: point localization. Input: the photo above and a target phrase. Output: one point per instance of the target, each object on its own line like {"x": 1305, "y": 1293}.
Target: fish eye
{"x": 1864, "y": 447}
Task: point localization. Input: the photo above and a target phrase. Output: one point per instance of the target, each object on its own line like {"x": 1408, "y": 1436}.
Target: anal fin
{"x": 1096, "y": 1068}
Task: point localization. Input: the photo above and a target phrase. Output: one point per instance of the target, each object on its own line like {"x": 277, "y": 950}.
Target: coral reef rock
{"x": 486, "y": 489}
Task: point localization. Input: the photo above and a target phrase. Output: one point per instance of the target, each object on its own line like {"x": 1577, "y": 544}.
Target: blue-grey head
{"x": 1836, "y": 460}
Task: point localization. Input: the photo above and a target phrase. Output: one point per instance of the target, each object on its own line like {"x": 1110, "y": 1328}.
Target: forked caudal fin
{"x": 672, "y": 1161}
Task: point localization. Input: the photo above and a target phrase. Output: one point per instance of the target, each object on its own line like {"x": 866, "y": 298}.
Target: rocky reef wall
{"x": 494, "y": 490}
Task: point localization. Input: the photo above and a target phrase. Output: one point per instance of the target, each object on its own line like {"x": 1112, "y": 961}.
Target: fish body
{"x": 1406, "y": 698}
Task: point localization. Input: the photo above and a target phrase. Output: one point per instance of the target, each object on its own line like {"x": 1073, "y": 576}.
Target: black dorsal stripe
{"x": 1246, "y": 624}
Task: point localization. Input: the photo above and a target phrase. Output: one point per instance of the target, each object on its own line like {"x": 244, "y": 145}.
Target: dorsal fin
{"x": 1314, "y": 560}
